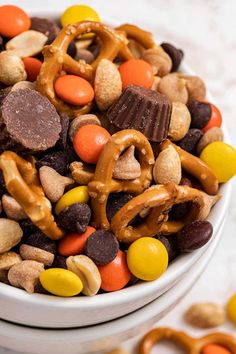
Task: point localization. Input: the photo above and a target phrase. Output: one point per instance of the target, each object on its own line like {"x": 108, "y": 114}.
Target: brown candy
{"x": 142, "y": 109}
{"x": 30, "y": 120}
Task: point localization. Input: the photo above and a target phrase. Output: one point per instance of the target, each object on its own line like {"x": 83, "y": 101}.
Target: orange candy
{"x": 136, "y": 72}
{"x": 89, "y": 142}
{"x": 13, "y": 21}
{"x": 215, "y": 120}
{"x": 215, "y": 349}
{"x": 74, "y": 243}
{"x": 115, "y": 275}
{"x": 74, "y": 90}
{"x": 32, "y": 67}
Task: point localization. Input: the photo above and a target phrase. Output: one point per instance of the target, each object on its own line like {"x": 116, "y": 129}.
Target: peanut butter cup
{"x": 142, "y": 109}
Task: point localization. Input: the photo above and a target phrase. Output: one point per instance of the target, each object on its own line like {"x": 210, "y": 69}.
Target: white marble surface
{"x": 206, "y": 30}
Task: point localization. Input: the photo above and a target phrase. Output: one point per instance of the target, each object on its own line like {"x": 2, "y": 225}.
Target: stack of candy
{"x": 111, "y": 157}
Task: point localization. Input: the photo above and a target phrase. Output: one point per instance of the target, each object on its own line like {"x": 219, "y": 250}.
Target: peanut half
{"x": 10, "y": 234}
{"x": 180, "y": 121}
{"x": 87, "y": 271}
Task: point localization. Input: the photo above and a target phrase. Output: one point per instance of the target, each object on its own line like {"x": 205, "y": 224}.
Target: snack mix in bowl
{"x": 111, "y": 158}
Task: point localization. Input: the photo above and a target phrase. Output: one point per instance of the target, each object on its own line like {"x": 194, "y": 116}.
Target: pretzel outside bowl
{"x": 189, "y": 344}
{"x": 56, "y": 59}
{"x": 103, "y": 183}
{"x": 22, "y": 183}
{"x": 160, "y": 198}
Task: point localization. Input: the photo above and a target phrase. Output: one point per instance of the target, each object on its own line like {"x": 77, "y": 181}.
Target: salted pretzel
{"x": 103, "y": 183}
{"x": 56, "y": 59}
{"x": 189, "y": 344}
{"x": 22, "y": 183}
{"x": 144, "y": 38}
{"x": 160, "y": 199}
{"x": 196, "y": 167}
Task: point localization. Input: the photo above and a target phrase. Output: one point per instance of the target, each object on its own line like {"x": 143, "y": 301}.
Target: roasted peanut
{"x": 8, "y": 260}
{"x": 80, "y": 121}
{"x": 174, "y": 87}
{"x": 167, "y": 167}
{"x": 159, "y": 59}
{"x": 81, "y": 174}
{"x": 211, "y": 135}
{"x": 36, "y": 254}
{"x": 12, "y": 208}
{"x": 10, "y": 234}
{"x": 12, "y": 69}
{"x": 87, "y": 271}
{"x": 179, "y": 121}
{"x": 27, "y": 44}
{"x": 25, "y": 275}
{"x": 205, "y": 315}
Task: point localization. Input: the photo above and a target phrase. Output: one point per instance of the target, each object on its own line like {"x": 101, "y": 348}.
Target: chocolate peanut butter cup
{"x": 142, "y": 109}
{"x": 30, "y": 121}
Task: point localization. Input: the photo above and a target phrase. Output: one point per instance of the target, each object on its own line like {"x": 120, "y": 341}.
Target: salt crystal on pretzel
{"x": 196, "y": 167}
{"x": 190, "y": 345}
{"x": 103, "y": 182}
{"x": 23, "y": 184}
{"x": 56, "y": 59}
{"x": 160, "y": 198}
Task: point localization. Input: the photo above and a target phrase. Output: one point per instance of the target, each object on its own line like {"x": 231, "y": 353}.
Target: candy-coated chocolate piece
{"x": 215, "y": 119}
{"x": 89, "y": 142}
{"x": 74, "y": 243}
{"x": 231, "y": 308}
{"x": 215, "y": 349}
{"x": 13, "y": 21}
{"x": 78, "y": 13}
{"x": 115, "y": 275}
{"x": 136, "y": 72}
{"x": 147, "y": 258}
{"x": 74, "y": 90}
{"x": 61, "y": 282}
{"x": 32, "y": 68}
{"x": 221, "y": 157}
{"x": 75, "y": 195}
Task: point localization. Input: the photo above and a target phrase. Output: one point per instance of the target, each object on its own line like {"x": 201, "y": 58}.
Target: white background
{"x": 206, "y": 31}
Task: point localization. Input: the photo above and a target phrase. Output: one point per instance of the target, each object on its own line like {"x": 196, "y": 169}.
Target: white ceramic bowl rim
{"x": 131, "y": 293}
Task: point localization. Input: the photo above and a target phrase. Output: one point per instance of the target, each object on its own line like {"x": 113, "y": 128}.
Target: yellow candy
{"x": 75, "y": 195}
{"x": 231, "y": 308}
{"x": 79, "y": 13}
{"x": 221, "y": 158}
{"x": 61, "y": 282}
{"x": 147, "y": 258}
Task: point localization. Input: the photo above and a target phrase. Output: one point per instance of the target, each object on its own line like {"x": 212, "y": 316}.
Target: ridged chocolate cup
{"x": 142, "y": 109}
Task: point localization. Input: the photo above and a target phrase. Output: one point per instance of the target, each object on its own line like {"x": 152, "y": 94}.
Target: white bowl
{"x": 54, "y": 312}
{"x": 106, "y": 336}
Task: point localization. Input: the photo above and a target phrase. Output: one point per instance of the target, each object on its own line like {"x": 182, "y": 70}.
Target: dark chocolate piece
{"x": 45, "y": 26}
{"x": 190, "y": 141}
{"x": 30, "y": 120}
{"x": 200, "y": 113}
{"x": 59, "y": 262}
{"x": 102, "y": 247}
{"x": 56, "y": 160}
{"x": 175, "y": 54}
{"x": 75, "y": 218}
{"x": 142, "y": 109}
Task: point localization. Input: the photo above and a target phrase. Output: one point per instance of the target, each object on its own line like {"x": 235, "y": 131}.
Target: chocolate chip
{"x": 39, "y": 240}
{"x": 59, "y": 262}
{"x": 56, "y": 160}
{"x": 71, "y": 155}
{"x": 30, "y": 120}
{"x": 45, "y": 26}
{"x": 75, "y": 218}
{"x": 200, "y": 113}
{"x": 102, "y": 247}
{"x": 86, "y": 55}
{"x": 190, "y": 141}
{"x": 194, "y": 236}
{"x": 28, "y": 227}
{"x": 115, "y": 202}
{"x": 62, "y": 142}
{"x": 169, "y": 245}
{"x": 175, "y": 54}
{"x": 180, "y": 211}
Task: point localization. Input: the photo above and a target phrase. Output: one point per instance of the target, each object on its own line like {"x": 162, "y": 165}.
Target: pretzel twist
{"x": 160, "y": 200}
{"x": 189, "y": 344}
{"x": 196, "y": 167}
{"x": 56, "y": 59}
{"x": 103, "y": 183}
{"x": 22, "y": 183}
